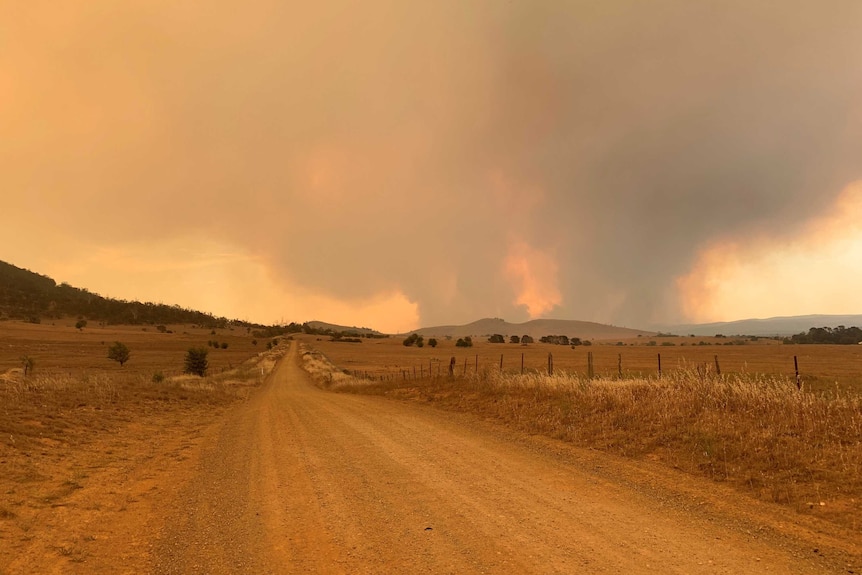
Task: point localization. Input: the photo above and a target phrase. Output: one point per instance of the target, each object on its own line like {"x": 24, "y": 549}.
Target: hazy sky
{"x": 392, "y": 163}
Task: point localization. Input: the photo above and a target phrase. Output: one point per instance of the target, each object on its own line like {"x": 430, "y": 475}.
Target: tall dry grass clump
{"x": 759, "y": 433}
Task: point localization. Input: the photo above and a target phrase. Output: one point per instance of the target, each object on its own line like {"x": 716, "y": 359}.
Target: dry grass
{"x": 80, "y": 413}
{"x": 798, "y": 448}
{"x": 60, "y": 349}
{"x": 821, "y": 366}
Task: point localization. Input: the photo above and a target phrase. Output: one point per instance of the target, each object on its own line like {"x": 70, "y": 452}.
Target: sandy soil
{"x": 298, "y": 480}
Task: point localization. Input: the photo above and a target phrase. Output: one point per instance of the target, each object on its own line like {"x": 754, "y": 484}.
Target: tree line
{"x": 838, "y": 335}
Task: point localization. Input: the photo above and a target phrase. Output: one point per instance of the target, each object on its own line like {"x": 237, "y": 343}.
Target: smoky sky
{"x": 362, "y": 147}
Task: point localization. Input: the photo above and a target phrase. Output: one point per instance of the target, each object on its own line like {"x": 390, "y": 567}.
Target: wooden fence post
{"x": 522, "y": 363}
{"x": 590, "y": 371}
{"x": 477, "y": 364}
{"x": 550, "y": 363}
{"x": 717, "y": 367}
{"x": 796, "y": 367}
{"x": 620, "y": 365}
{"x": 501, "y": 362}
{"x": 659, "y": 366}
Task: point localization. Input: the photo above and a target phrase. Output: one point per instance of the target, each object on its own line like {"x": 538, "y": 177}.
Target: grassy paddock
{"x": 59, "y": 349}
{"x": 756, "y": 432}
{"x": 822, "y": 367}
{"x": 76, "y": 395}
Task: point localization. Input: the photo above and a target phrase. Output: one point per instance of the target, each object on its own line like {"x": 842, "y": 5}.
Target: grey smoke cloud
{"x": 358, "y": 148}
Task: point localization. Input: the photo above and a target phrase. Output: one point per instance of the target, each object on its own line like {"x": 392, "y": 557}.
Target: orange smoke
{"x": 533, "y": 274}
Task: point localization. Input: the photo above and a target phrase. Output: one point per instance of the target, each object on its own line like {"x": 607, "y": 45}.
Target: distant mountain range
{"x": 535, "y": 328}
{"x": 774, "y": 326}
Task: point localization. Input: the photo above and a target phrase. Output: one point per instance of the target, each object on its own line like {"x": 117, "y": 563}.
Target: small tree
{"x": 496, "y": 338}
{"x": 81, "y": 324}
{"x": 432, "y": 342}
{"x": 196, "y": 361}
{"x": 119, "y": 352}
{"x": 224, "y": 345}
{"x": 515, "y": 339}
{"x": 414, "y": 339}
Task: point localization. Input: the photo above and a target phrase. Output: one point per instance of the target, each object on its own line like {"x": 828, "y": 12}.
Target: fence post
{"x": 522, "y": 363}
{"x": 796, "y": 367}
{"x": 550, "y": 363}
{"x": 590, "y": 371}
{"x": 620, "y": 364}
{"x": 501, "y": 362}
{"x": 477, "y": 364}
{"x": 717, "y": 367}
{"x": 452, "y": 367}
{"x": 659, "y": 366}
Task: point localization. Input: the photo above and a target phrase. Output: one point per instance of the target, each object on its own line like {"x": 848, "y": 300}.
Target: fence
{"x": 471, "y": 365}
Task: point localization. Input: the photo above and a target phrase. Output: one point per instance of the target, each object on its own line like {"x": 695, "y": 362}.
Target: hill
{"x": 33, "y": 297}
{"x": 774, "y": 326}
{"x": 535, "y": 328}
{"x": 322, "y": 326}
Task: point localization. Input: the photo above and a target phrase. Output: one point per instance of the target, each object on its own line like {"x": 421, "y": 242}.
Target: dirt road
{"x": 299, "y": 480}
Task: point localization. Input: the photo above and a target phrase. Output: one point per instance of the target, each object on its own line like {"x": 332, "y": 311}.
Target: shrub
{"x": 432, "y": 342}
{"x": 81, "y": 324}
{"x": 464, "y": 342}
{"x": 224, "y": 345}
{"x": 119, "y": 352}
{"x": 196, "y": 361}
{"x": 496, "y": 338}
{"x": 514, "y": 339}
{"x": 414, "y": 339}
{"x": 158, "y": 377}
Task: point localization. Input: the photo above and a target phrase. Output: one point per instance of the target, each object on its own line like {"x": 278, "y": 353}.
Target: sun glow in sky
{"x": 815, "y": 267}
{"x": 397, "y": 164}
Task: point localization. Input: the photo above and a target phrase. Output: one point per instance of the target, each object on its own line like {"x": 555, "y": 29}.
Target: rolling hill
{"x": 33, "y": 297}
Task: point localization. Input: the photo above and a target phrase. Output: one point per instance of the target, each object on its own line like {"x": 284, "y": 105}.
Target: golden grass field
{"x": 60, "y": 348}
{"x": 749, "y": 427}
{"x": 81, "y": 419}
{"x": 821, "y": 367}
